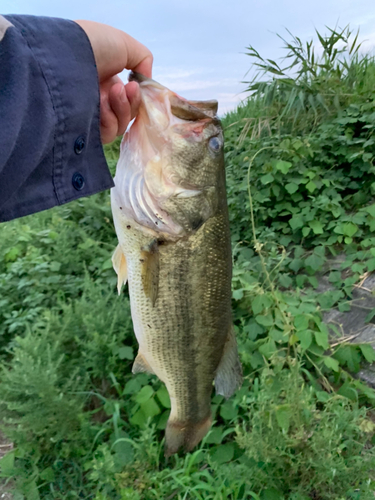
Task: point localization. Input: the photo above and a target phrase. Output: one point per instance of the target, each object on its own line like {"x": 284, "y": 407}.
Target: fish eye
{"x": 214, "y": 144}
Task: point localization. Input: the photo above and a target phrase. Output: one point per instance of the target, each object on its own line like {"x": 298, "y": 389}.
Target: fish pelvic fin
{"x": 140, "y": 365}
{"x": 185, "y": 435}
{"x": 150, "y": 270}
{"x": 120, "y": 266}
{"x": 229, "y": 372}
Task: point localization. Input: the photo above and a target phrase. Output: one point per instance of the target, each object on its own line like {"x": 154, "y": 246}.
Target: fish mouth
{"x": 179, "y": 107}
{"x": 150, "y": 180}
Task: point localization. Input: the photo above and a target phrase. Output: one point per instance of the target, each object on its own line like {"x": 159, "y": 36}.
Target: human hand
{"x": 115, "y": 51}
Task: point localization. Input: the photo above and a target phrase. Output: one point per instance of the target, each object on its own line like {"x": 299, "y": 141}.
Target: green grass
{"x": 301, "y": 185}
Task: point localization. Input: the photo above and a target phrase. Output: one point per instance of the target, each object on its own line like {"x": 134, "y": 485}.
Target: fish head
{"x": 175, "y": 151}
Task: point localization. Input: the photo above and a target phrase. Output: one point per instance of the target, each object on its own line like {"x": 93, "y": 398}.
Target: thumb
{"x": 114, "y": 50}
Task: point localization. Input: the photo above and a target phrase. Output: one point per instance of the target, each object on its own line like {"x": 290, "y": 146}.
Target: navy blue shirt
{"x": 50, "y": 147}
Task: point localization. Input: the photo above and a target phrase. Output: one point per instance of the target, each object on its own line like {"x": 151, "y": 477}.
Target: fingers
{"x": 134, "y": 97}
{"x": 118, "y": 106}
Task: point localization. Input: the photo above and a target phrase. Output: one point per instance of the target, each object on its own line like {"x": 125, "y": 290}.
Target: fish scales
{"x": 179, "y": 274}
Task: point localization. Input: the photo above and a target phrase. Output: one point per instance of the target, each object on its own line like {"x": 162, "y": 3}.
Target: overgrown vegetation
{"x": 301, "y": 185}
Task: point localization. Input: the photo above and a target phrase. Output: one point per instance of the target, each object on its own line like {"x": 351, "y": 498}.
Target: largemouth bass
{"x": 171, "y": 218}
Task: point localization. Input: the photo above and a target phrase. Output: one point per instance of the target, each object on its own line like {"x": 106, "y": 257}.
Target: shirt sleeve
{"x": 50, "y": 147}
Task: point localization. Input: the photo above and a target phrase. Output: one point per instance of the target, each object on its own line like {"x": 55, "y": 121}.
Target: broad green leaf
{"x": 139, "y": 418}
{"x": 358, "y": 268}
{"x": 268, "y": 348}
{"x": 311, "y": 186}
{"x": 228, "y": 411}
{"x": 321, "y": 339}
{"x": 296, "y": 265}
{"x": 331, "y": 363}
{"x": 150, "y": 408}
{"x": 348, "y": 392}
{"x": 163, "y": 419}
{"x": 276, "y": 335}
{"x": 316, "y": 226}
{"x": 368, "y": 352}
{"x": 285, "y": 280}
{"x": 48, "y": 475}
{"x": 256, "y": 360}
{"x": 305, "y": 338}
{"x": 313, "y": 280}
{"x": 215, "y": 435}
{"x": 291, "y": 187}
{"x": 144, "y": 394}
{"x": 314, "y": 261}
{"x": 55, "y": 266}
{"x": 283, "y": 166}
{"x": 133, "y": 386}
{"x": 237, "y": 294}
{"x": 306, "y": 231}
{"x": 266, "y": 179}
{"x": 283, "y": 414}
{"x": 349, "y": 229}
{"x": 223, "y": 453}
{"x": 31, "y": 490}
{"x": 296, "y": 222}
{"x": 7, "y": 464}
{"x": 126, "y": 352}
{"x": 301, "y": 322}
{"x": 163, "y": 396}
{"x": 264, "y": 320}
{"x": 323, "y": 396}
{"x": 253, "y": 329}
{"x": 300, "y": 279}
{"x": 260, "y": 302}
{"x": 348, "y": 355}
{"x": 371, "y": 210}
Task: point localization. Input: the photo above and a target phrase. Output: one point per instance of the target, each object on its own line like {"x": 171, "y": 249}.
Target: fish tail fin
{"x": 185, "y": 435}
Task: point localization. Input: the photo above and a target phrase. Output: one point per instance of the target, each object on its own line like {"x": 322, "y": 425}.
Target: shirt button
{"x": 78, "y": 181}
{"x": 79, "y": 145}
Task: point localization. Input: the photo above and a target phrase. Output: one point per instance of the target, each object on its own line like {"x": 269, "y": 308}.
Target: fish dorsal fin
{"x": 184, "y": 110}
{"x": 208, "y": 107}
{"x": 119, "y": 265}
{"x": 140, "y": 365}
{"x": 150, "y": 270}
{"x": 229, "y": 372}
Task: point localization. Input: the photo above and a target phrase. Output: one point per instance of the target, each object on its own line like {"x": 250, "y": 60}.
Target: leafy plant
{"x": 300, "y": 182}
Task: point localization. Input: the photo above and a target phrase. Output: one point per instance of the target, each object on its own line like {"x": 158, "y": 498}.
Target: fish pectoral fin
{"x": 140, "y": 365}
{"x": 150, "y": 270}
{"x": 229, "y": 372}
{"x": 119, "y": 265}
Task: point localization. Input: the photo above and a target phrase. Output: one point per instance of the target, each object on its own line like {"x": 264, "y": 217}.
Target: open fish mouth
{"x": 179, "y": 106}
{"x": 167, "y": 128}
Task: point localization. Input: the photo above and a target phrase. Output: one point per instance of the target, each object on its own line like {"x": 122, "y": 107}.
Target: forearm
{"x": 49, "y": 109}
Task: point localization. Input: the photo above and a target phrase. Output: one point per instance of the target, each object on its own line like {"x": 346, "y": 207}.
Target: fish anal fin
{"x": 119, "y": 265}
{"x": 185, "y": 435}
{"x": 229, "y": 372}
{"x": 150, "y": 270}
{"x": 140, "y": 365}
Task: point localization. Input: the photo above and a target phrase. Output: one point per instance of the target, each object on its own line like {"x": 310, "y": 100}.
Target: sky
{"x": 199, "y": 45}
